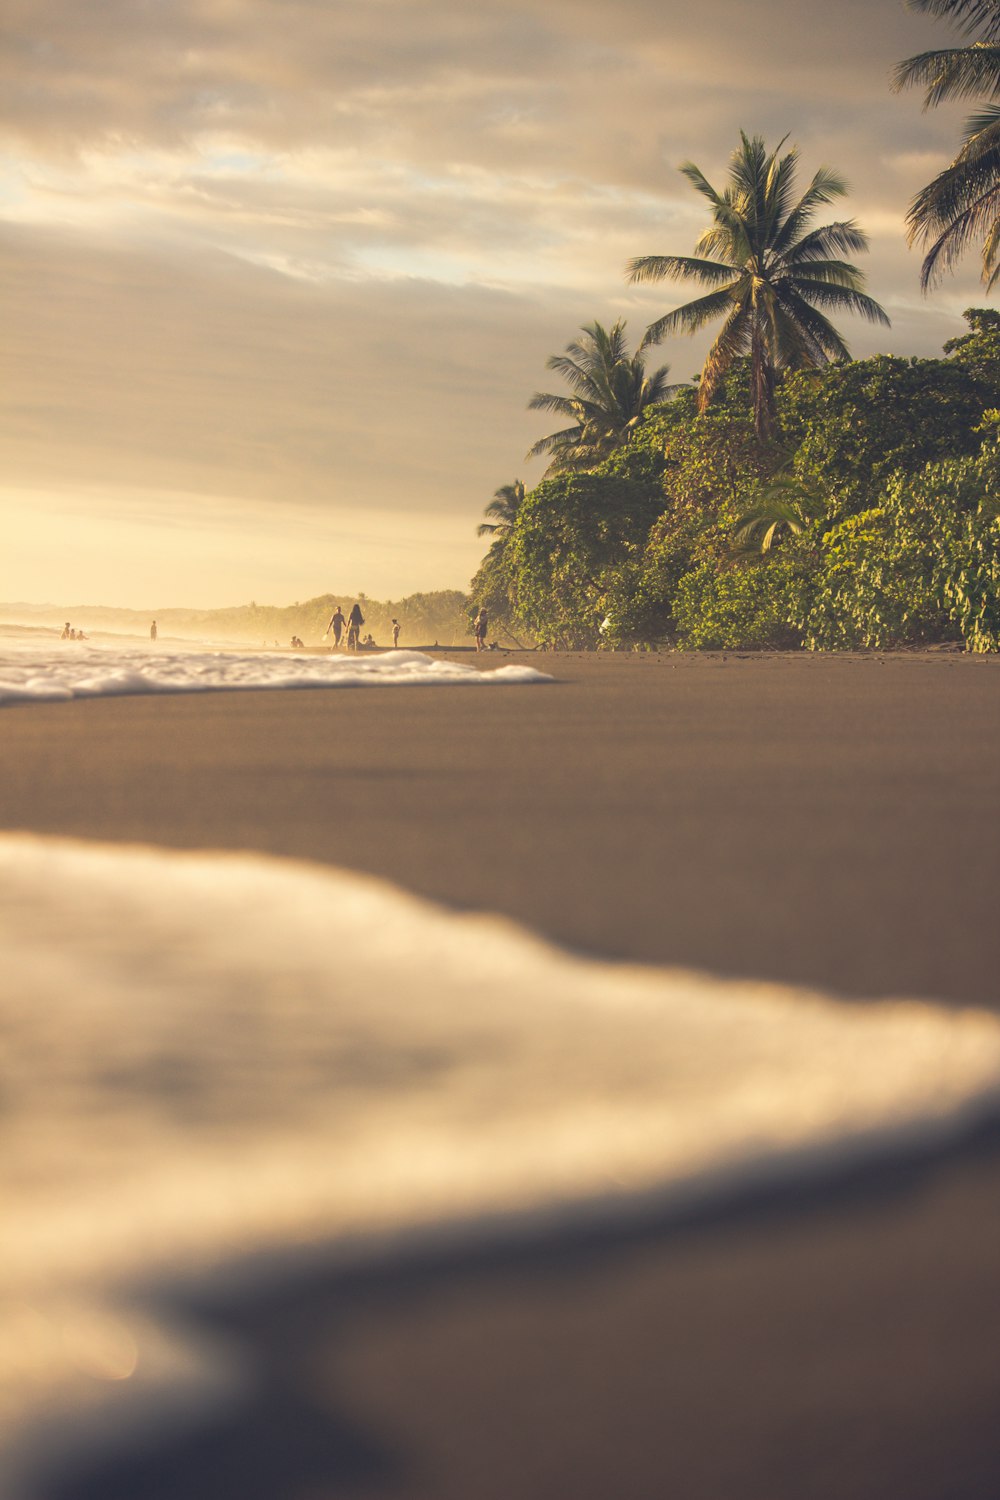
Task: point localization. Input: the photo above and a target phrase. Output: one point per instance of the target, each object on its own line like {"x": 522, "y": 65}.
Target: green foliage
{"x": 609, "y": 391}
{"x": 755, "y": 607}
{"x": 862, "y": 422}
{"x": 573, "y": 534}
{"x": 879, "y": 511}
{"x": 773, "y": 275}
{"x": 713, "y": 462}
{"x": 922, "y": 566}
{"x": 961, "y": 206}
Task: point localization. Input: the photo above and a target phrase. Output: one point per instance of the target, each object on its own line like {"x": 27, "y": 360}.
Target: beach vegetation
{"x": 574, "y": 535}
{"x": 609, "y": 389}
{"x": 960, "y": 207}
{"x": 772, "y": 275}
{"x": 502, "y": 511}
{"x": 872, "y": 523}
{"x": 922, "y": 566}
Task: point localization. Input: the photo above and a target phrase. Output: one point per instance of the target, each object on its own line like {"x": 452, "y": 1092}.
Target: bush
{"x": 922, "y": 566}
{"x": 753, "y": 607}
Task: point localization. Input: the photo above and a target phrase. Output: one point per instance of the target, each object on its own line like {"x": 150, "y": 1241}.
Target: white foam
{"x": 58, "y": 670}
{"x": 210, "y": 1054}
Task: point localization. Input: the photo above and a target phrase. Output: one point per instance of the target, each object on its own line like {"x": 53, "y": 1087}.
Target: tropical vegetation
{"x": 773, "y": 275}
{"x": 609, "y": 391}
{"x": 961, "y": 206}
{"x": 870, "y": 522}
{"x": 790, "y": 497}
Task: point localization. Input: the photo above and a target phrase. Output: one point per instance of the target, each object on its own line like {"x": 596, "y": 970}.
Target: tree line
{"x": 790, "y": 496}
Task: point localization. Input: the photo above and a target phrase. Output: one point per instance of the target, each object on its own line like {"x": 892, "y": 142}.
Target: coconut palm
{"x": 610, "y": 390}
{"x": 769, "y": 272}
{"x": 962, "y": 204}
{"x": 502, "y": 510}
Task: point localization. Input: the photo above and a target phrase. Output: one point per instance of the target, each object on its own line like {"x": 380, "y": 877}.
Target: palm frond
{"x": 951, "y": 73}
{"x": 824, "y": 344}
{"x": 844, "y": 298}
{"x": 766, "y": 267}
{"x": 546, "y": 401}
{"x": 677, "y": 268}
{"x": 969, "y": 16}
{"x": 780, "y": 504}
{"x": 845, "y": 237}
{"x": 610, "y": 390}
{"x": 733, "y": 341}
{"x": 693, "y": 315}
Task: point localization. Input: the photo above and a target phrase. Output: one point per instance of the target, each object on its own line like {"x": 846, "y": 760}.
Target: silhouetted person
{"x": 480, "y": 628}
{"x": 355, "y": 620}
{"x": 395, "y": 633}
{"x": 66, "y": 632}
{"x": 336, "y": 625}
{"x": 152, "y": 631}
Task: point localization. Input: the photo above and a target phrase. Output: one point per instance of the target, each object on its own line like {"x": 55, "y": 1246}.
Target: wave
{"x": 57, "y": 670}
{"x": 211, "y": 1056}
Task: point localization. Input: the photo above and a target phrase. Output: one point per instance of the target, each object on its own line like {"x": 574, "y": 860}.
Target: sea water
{"x": 209, "y": 1057}
{"x": 33, "y": 670}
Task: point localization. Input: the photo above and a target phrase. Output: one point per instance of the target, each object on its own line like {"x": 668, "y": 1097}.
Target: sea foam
{"x": 216, "y": 1055}
{"x": 59, "y": 670}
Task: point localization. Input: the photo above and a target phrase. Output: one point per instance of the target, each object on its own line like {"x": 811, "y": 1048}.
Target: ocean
{"x": 52, "y": 670}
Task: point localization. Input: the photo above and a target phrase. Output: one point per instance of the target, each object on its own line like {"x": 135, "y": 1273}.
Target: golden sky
{"x": 279, "y": 276}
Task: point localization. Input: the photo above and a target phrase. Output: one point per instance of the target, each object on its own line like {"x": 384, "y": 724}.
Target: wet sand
{"x": 831, "y": 821}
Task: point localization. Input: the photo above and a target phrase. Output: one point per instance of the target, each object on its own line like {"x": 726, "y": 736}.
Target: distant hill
{"x": 440, "y": 617}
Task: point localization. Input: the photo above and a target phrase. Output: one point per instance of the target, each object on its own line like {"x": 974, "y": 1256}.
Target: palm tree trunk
{"x": 765, "y": 412}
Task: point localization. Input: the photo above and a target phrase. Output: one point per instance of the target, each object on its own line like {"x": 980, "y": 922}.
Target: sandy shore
{"x": 826, "y": 821}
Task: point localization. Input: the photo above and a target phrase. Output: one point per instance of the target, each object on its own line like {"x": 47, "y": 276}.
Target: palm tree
{"x": 610, "y": 391}
{"x": 783, "y": 504}
{"x": 770, "y": 273}
{"x": 962, "y": 204}
{"x": 503, "y": 509}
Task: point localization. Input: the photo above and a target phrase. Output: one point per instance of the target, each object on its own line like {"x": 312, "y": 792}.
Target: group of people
{"x": 69, "y": 634}
{"x": 349, "y": 627}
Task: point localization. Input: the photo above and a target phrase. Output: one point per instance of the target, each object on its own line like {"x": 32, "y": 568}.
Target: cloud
{"x": 315, "y": 254}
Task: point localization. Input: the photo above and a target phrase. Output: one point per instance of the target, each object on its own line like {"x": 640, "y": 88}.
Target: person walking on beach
{"x": 480, "y": 628}
{"x": 152, "y": 631}
{"x": 395, "y": 633}
{"x": 355, "y": 620}
{"x": 336, "y": 625}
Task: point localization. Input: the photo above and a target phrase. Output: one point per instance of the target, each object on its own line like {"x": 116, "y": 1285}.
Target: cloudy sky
{"x": 279, "y": 276}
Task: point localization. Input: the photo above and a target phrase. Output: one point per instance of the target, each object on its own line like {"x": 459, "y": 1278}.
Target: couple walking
{"x": 353, "y": 624}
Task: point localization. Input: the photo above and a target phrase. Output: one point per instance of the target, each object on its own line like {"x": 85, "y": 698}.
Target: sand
{"x": 830, "y": 821}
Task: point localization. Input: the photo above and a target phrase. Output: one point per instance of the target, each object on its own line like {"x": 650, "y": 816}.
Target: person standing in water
{"x": 395, "y": 633}
{"x": 152, "y": 631}
{"x": 355, "y": 620}
{"x": 480, "y": 628}
{"x": 336, "y": 625}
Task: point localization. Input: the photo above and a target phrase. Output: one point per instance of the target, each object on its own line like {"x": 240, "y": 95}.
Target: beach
{"x": 827, "y": 822}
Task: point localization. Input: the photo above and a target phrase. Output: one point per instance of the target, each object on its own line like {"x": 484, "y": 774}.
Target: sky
{"x": 279, "y": 277}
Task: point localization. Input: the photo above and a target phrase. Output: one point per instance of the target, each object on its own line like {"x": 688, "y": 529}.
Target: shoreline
{"x": 826, "y": 822}
{"x": 815, "y": 821}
